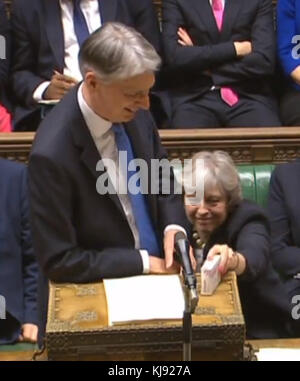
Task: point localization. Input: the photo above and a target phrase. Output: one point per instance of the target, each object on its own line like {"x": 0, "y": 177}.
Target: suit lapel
{"x": 54, "y": 30}
{"x": 205, "y": 12}
{"x": 232, "y": 8}
{"x": 108, "y": 10}
{"x": 89, "y": 153}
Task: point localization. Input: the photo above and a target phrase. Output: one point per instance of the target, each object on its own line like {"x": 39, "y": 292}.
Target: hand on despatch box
{"x": 169, "y": 245}
{"x": 230, "y": 259}
{"x": 158, "y": 266}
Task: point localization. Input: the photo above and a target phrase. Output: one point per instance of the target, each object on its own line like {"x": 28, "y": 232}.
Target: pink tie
{"x": 227, "y": 94}
{"x": 5, "y": 120}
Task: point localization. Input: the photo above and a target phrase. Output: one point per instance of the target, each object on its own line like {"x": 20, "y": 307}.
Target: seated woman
{"x": 18, "y": 266}
{"x": 238, "y": 230}
{"x": 284, "y": 212}
{"x": 288, "y": 31}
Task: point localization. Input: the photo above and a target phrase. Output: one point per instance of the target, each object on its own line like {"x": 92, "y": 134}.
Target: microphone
{"x": 182, "y": 256}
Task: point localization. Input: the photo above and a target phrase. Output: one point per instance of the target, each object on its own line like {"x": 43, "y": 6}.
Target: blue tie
{"x": 80, "y": 25}
{"x": 148, "y": 239}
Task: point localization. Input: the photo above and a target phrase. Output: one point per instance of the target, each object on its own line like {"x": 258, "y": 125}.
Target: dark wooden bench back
{"x": 246, "y": 145}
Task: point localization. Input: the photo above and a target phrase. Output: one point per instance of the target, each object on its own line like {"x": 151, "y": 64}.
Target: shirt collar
{"x": 97, "y": 125}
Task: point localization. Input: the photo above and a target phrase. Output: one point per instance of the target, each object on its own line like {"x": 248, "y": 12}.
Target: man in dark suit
{"x": 47, "y": 41}
{"x": 5, "y": 50}
{"x": 18, "y": 266}
{"x": 284, "y": 213}
{"x": 85, "y": 227}
{"x": 223, "y": 54}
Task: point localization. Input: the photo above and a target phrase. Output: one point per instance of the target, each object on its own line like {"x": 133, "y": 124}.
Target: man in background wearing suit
{"x": 18, "y": 266}
{"x": 284, "y": 213}
{"x": 5, "y": 50}
{"x": 81, "y": 235}
{"x": 47, "y": 35}
{"x": 223, "y": 54}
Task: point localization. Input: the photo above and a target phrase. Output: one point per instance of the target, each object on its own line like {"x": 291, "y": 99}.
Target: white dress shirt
{"x": 223, "y": 2}
{"x": 90, "y": 9}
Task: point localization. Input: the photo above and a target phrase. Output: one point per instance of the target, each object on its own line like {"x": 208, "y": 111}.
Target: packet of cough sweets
{"x": 210, "y": 276}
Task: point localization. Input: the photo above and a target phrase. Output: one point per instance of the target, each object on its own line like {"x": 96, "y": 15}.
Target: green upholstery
{"x": 255, "y": 181}
{"x": 18, "y": 347}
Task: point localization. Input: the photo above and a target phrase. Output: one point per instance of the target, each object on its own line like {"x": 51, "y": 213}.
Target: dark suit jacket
{"x": 39, "y": 42}
{"x": 5, "y": 32}
{"x": 80, "y": 235}
{"x": 284, "y": 212}
{"x": 213, "y": 50}
{"x": 18, "y": 266}
{"x": 264, "y": 301}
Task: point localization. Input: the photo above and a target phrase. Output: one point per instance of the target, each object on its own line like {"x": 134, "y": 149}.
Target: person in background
{"x": 47, "y": 36}
{"x": 238, "y": 230}
{"x": 18, "y": 266}
{"x": 5, "y": 50}
{"x": 284, "y": 213}
{"x": 222, "y": 53}
{"x": 288, "y": 38}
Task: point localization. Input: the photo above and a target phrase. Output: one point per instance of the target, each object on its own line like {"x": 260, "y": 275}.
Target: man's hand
{"x": 295, "y": 74}
{"x": 242, "y": 48}
{"x": 158, "y": 266}
{"x": 60, "y": 84}
{"x": 169, "y": 243}
{"x": 184, "y": 38}
{"x": 29, "y": 333}
{"x": 230, "y": 260}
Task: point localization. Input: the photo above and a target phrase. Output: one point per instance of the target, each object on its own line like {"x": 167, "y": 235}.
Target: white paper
{"x": 278, "y": 354}
{"x": 144, "y": 297}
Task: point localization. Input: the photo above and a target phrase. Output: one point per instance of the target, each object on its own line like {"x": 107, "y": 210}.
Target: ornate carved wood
{"x": 245, "y": 145}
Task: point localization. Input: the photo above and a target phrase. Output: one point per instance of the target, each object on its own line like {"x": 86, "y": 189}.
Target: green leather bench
{"x": 255, "y": 181}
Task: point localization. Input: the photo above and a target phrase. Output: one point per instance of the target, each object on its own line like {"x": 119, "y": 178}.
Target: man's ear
{"x": 91, "y": 80}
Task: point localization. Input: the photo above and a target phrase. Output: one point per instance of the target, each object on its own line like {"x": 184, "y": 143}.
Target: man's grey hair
{"x": 117, "y": 52}
{"x": 220, "y": 171}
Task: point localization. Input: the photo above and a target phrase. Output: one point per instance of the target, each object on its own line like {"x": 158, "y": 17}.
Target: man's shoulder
{"x": 55, "y": 136}
{"x": 51, "y": 141}
{"x": 145, "y": 118}
{"x": 12, "y": 175}
{"x": 287, "y": 170}
{"x": 23, "y": 4}
{"x": 13, "y": 167}
{"x": 248, "y": 212}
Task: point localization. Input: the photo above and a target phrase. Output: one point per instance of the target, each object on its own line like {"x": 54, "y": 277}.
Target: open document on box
{"x": 144, "y": 297}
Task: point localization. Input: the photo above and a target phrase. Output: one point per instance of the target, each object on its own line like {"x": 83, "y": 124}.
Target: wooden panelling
{"x": 245, "y": 145}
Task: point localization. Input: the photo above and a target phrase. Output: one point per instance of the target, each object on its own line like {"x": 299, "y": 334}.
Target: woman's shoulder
{"x": 248, "y": 212}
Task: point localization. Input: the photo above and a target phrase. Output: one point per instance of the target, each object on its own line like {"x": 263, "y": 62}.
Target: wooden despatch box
{"x": 77, "y": 328}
